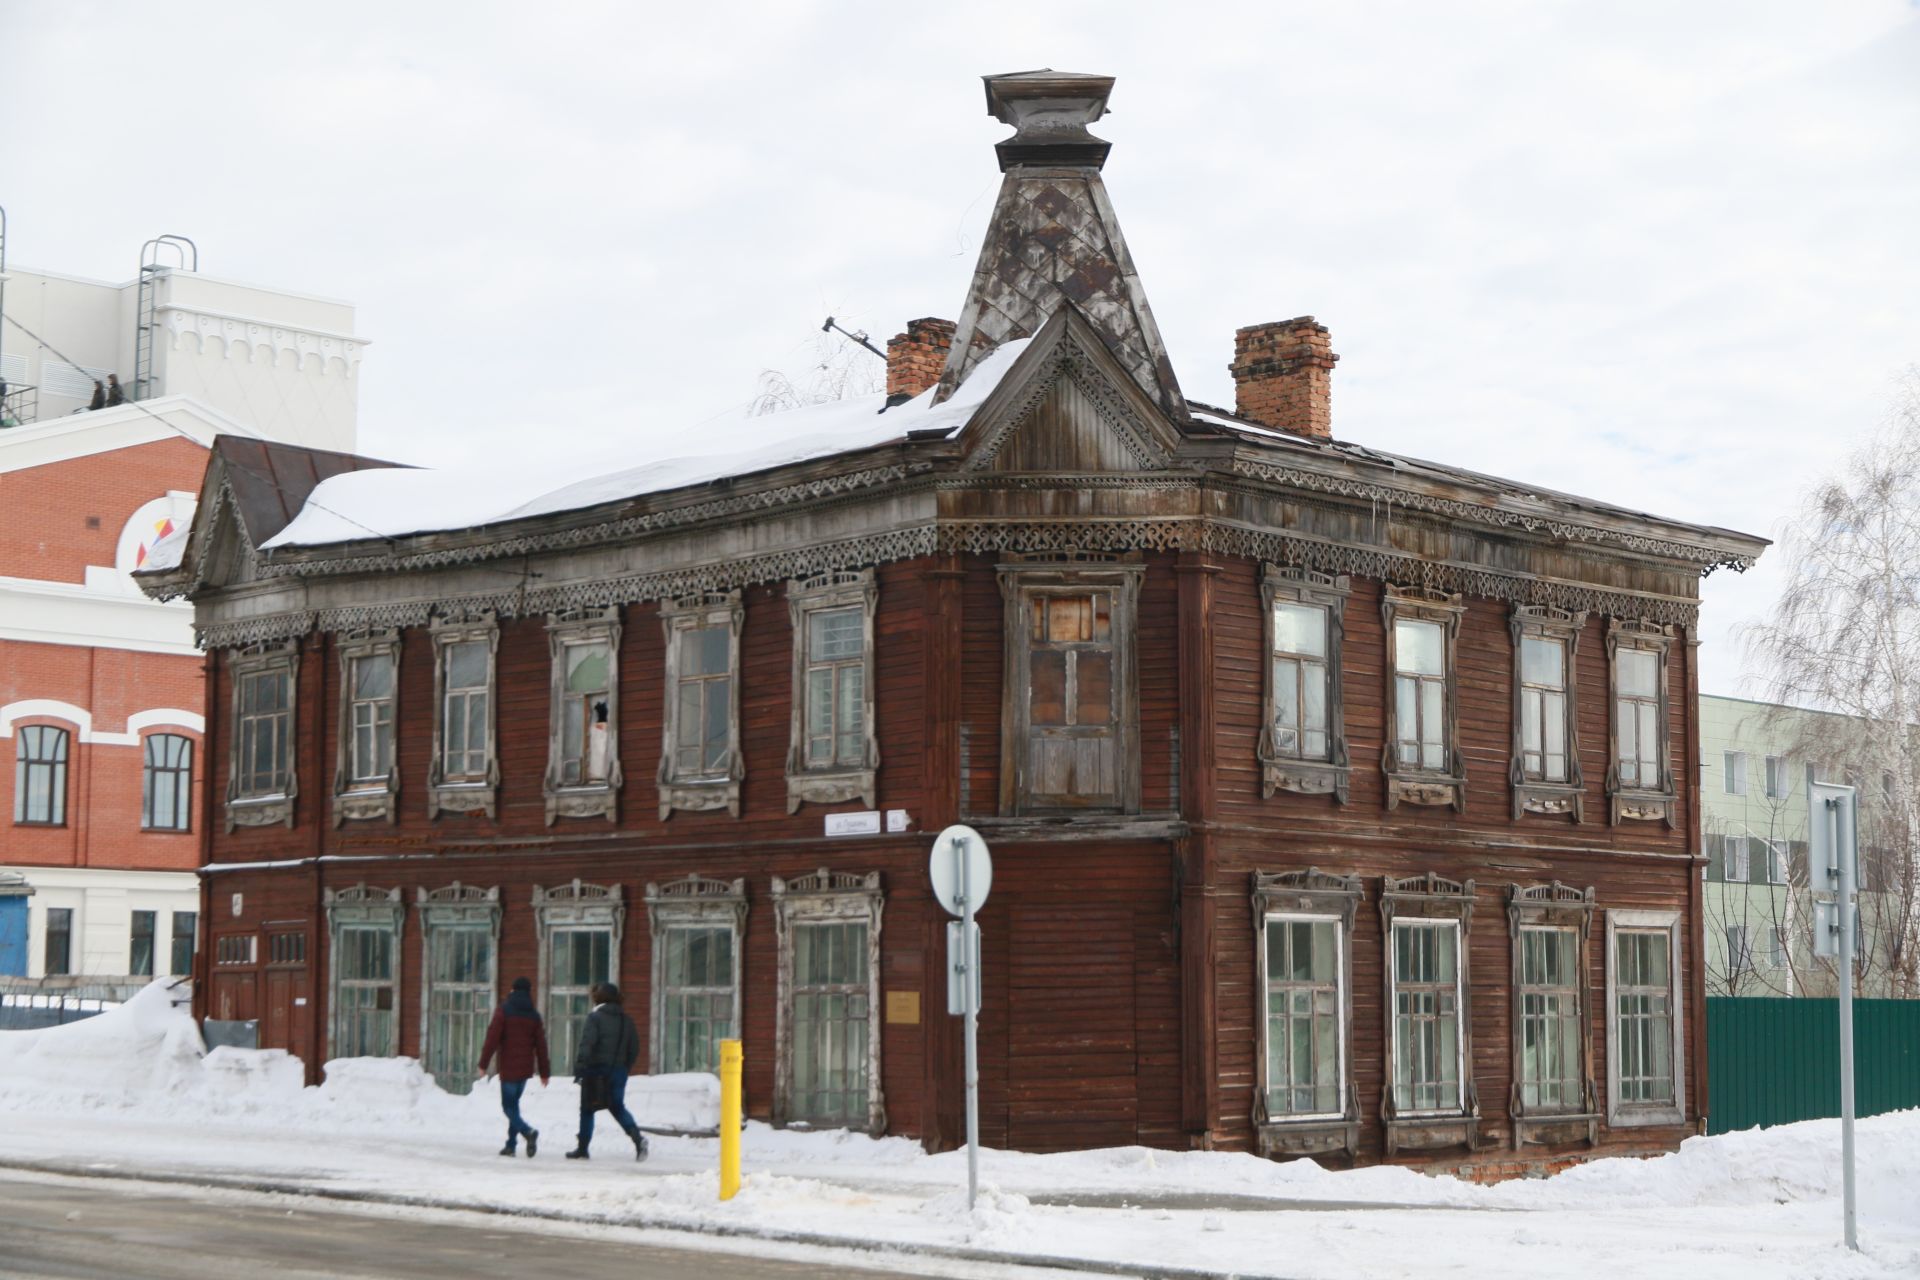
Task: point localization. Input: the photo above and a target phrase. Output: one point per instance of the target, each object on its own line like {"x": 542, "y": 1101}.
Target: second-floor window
{"x": 464, "y": 711}
{"x": 1636, "y": 712}
{"x": 166, "y": 790}
{"x": 1071, "y": 727}
{"x": 585, "y": 712}
{"x": 40, "y": 775}
{"x": 700, "y": 766}
{"x": 266, "y": 706}
{"x": 1543, "y": 708}
{"x": 1736, "y": 771}
{"x": 834, "y": 753}
{"x": 370, "y": 700}
{"x": 1300, "y": 648}
{"x": 1420, "y": 694}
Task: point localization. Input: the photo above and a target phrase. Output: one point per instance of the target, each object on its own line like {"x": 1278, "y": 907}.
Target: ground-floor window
{"x": 828, "y": 1073}
{"x": 1644, "y": 1056}
{"x": 364, "y": 961}
{"x": 580, "y": 929}
{"x": 59, "y": 941}
{"x": 1305, "y": 1031}
{"x": 184, "y": 925}
{"x": 140, "y": 944}
{"x": 699, "y": 926}
{"x": 1426, "y": 1016}
{"x": 1552, "y": 1069}
{"x": 461, "y": 925}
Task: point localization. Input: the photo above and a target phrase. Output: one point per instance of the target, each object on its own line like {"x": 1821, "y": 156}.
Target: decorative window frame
{"x": 275, "y": 807}
{"x": 694, "y": 900}
{"x": 351, "y": 803}
{"x": 1640, "y": 803}
{"x": 1446, "y": 786}
{"x": 464, "y": 797}
{"x": 1622, "y": 1116}
{"x": 1325, "y": 895}
{"x": 585, "y": 799}
{"x": 839, "y": 783}
{"x": 1536, "y": 795}
{"x": 1291, "y": 584}
{"x": 575, "y": 905}
{"x": 722, "y": 790}
{"x": 1554, "y": 905}
{"x": 454, "y": 906}
{"x": 826, "y": 897}
{"x": 1120, "y": 573}
{"x": 1429, "y": 897}
{"x": 368, "y": 908}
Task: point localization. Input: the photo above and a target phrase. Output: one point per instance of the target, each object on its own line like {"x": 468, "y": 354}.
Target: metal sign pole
{"x": 971, "y": 944}
{"x": 1843, "y": 914}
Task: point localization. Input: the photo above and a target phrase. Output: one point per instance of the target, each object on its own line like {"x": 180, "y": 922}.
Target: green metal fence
{"x": 1776, "y": 1061}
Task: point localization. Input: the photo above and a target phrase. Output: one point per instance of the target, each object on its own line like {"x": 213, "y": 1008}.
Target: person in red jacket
{"x": 520, "y": 1039}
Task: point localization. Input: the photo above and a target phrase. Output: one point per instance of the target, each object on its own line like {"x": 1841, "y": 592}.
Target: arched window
{"x": 40, "y": 776}
{"x": 166, "y": 797}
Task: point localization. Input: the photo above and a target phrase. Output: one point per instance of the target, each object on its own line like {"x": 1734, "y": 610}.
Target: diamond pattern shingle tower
{"x": 1053, "y": 237}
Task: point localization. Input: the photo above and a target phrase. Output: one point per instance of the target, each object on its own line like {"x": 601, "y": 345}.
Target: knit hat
{"x": 521, "y": 984}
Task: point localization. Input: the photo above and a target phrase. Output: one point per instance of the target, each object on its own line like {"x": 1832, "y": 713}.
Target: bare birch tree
{"x": 1845, "y": 638}
{"x": 839, "y": 369}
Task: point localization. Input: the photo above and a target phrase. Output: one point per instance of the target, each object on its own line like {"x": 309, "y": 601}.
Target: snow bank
{"x": 393, "y": 502}
{"x": 147, "y": 1056}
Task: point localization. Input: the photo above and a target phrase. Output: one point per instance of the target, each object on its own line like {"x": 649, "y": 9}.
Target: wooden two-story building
{"x": 1341, "y": 803}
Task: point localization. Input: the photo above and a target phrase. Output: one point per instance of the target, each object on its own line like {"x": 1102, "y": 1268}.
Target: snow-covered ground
{"x": 129, "y": 1092}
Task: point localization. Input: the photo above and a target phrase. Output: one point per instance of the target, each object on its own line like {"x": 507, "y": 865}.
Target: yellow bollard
{"x": 729, "y": 1118}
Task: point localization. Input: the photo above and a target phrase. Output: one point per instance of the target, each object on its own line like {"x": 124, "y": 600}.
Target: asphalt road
{"x": 106, "y": 1230}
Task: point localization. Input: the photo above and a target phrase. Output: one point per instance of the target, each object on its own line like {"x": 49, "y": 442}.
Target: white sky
{"x": 1661, "y": 254}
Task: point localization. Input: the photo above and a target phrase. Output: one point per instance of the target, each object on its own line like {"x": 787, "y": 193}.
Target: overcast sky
{"x": 1660, "y": 254}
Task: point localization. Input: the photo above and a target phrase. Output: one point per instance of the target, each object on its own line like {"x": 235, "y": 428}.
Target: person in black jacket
{"x": 609, "y": 1045}
{"x": 114, "y": 394}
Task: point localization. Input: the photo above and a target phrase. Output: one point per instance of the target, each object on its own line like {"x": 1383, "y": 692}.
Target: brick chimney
{"x": 915, "y": 358}
{"x": 1282, "y": 375}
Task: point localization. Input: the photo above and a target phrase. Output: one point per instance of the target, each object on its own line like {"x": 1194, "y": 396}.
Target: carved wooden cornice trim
{"x": 1709, "y": 558}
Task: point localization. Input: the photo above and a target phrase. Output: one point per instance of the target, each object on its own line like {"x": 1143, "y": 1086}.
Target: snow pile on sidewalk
{"x": 147, "y": 1056}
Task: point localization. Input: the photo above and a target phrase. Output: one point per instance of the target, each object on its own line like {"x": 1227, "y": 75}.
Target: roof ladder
{"x": 186, "y": 257}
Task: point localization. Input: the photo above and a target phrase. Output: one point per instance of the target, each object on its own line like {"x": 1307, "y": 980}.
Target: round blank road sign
{"x": 944, "y": 867}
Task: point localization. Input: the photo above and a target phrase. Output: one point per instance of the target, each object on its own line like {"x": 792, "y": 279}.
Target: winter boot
{"x": 578, "y": 1153}
{"x": 533, "y": 1142}
{"x": 639, "y": 1144}
{"x": 508, "y": 1149}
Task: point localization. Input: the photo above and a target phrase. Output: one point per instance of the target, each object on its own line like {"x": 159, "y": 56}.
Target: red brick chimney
{"x": 916, "y": 357}
{"x": 1282, "y": 375}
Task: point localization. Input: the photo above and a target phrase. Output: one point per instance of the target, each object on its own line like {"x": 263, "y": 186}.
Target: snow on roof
{"x": 395, "y": 502}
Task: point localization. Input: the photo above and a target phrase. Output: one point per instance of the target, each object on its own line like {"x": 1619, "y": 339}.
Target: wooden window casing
{"x": 459, "y": 978}
{"x": 694, "y": 1006}
{"x": 1070, "y": 738}
{"x": 463, "y": 774}
{"x": 1423, "y": 906}
{"x": 584, "y": 776}
{"x": 40, "y": 775}
{"x": 1646, "y": 1020}
{"x": 701, "y": 763}
{"x": 263, "y": 777}
{"x": 366, "y": 773}
{"x": 364, "y": 931}
{"x": 581, "y": 929}
{"x": 1319, "y": 901}
{"x": 166, "y": 782}
{"x": 1553, "y": 1099}
{"x": 1421, "y": 757}
{"x": 834, "y": 753}
{"x": 1305, "y": 620}
{"x": 1545, "y": 772}
{"x": 849, "y": 907}
{"x": 1640, "y": 784}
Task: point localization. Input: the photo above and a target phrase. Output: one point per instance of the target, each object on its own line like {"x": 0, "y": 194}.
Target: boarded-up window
{"x": 1069, "y": 665}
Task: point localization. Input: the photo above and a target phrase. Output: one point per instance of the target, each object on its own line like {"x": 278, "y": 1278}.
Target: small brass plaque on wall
{"x": 903, "y": 1006}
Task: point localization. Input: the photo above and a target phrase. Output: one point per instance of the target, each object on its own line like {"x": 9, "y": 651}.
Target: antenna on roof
{"x": 833, "y": 326}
